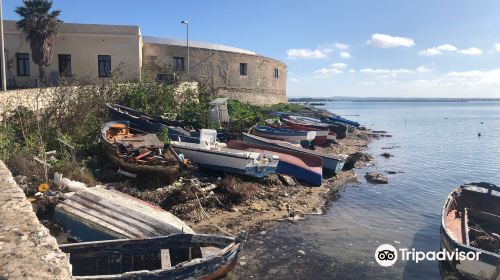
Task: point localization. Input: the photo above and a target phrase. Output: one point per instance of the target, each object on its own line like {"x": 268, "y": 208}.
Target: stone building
{"x": 93, "y": 52}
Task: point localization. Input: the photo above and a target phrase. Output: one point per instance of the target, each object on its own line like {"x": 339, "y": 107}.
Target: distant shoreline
{"x": 389, "y": 99}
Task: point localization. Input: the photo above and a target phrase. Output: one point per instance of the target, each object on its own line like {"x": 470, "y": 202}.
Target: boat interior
{"x": 120, "y": 133}
{"x": 121, "y": 256}
{"x": 473, "y": 218}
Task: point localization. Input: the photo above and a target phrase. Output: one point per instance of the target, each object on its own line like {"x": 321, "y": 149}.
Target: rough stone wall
{"x": 33, "y": 99}
{"x": 221, "y": 70}
{"x": 27, "y": 250}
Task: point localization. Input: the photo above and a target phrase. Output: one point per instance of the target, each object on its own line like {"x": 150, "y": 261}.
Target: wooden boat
{"x": 470, "y": 222}
{"x": 339, "y": 130}
{"x": 283, "y": 134}
{"x": 138, "y": 153}
{"x": 146, "y": 123}
{"x": 322, "y": 136}
{"x": 331, "y": 163}
{"x": 100, "y": 214}
{"x": 338, "y": 119}
{"x": 139, "y": 120}
{"x": 303, "y": 167}
{"x": 178, "y": 256}
{"x": 218, "y": 157}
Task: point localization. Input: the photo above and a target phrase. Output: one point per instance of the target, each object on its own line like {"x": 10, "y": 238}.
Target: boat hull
{"x": 305, "y": 168}
{"x": 135, "y": 259}
{"x": 330, "y": 164}
{"x": 225, "y": 162}
{"x": 488, "y": 265}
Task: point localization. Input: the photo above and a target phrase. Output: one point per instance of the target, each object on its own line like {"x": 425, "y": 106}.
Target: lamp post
{"x": 187, "y": 45}
{"x": 2, "y": 48}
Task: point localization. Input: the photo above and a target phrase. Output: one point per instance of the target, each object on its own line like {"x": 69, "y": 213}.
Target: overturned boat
{"x": 178, "y": 256}
{"x": 211, "y": 154}
{"x": 339, "y": 130}
{"x": 139, "y": 120}
{"x": 97, "y": 213}
{"x": 285, "y": 134}
{"x": 470, "y": 223}
{"x": 303, "y": 167}
{"x": 331, "y": 163}
{"x": 138, "y": 153}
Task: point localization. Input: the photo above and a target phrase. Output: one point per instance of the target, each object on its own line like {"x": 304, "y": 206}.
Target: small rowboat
{"x": 138, "y": 153}
{"x": 331, "y": 163}
{"x": 470, "y": 223}
{"x": 178, "y": 256}
{"x": 303, "y": 167}
{"x": 139, "y": 120}
{"x": 284, "y": 134}
{"x": 338, "y": 119}
{"x": 322, "y": 136}
{"x": 339, "y": 130}
{"x": 218, "y": 157}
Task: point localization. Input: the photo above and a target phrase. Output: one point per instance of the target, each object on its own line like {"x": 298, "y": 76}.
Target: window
{"x": 178, "y": 63}
{"x": 65, "y": 65}
{"x": 23, "y": 64}
{"x": 243, "y": 69}
{"x": 276, "y": 73}
{"x": 104, "y": 65}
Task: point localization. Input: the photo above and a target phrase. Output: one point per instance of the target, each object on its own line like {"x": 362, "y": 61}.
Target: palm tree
{"x": 40, "y": 25}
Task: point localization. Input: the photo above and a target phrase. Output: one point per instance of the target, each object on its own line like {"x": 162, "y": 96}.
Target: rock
{"x": 386, "y": 155}
{"x": 243, "y": 263}
{"x": 352, "y": 159}
{"x": 263, "y": 232}
{"x": 234, "y": 209}
{"x": 376, "y": 178}
{"x": 256, "y": 207}
{"x": 287, "y": 180}
{"x": 301, "y": 252}
{"x": 273, "y": 180}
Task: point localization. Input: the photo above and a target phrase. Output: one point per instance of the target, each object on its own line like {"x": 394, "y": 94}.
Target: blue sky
{"x": 417, "y": 48}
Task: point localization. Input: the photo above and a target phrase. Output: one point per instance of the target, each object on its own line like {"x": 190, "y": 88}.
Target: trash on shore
{"x": 376, "y": 178}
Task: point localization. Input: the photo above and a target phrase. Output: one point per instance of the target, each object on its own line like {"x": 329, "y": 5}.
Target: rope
{"x": 208, "y": 216}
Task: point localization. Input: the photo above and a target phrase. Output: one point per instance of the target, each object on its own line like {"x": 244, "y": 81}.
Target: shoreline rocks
{"x": 376, "y": 178}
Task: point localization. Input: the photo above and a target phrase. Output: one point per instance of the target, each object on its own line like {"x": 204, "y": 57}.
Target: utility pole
{"x": 187, "y": 44}
{"x": 2, "y": 48}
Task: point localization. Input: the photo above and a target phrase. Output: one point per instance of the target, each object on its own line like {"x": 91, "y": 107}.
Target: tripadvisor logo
{"x": 387, "y": 255}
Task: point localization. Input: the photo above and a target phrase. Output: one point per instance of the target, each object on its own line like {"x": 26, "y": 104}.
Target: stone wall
{"x": 221, "y": 70}
{"x": 27, "y": 250}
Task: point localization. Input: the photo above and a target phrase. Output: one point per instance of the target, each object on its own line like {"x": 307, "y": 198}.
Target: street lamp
{"x": 2, "y": 48}
{"x": 187, "y": 45}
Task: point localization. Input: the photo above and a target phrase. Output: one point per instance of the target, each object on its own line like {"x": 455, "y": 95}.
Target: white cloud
{"x": 470, "y": 51}
{"x": 308, "y": 53}
{"x": 341, "y": 46}
{"x": 497, "y": 47}
{"x": 352, "y": 71}
{"x": 294, "y": 80}
{"x": 335, "y": 68}
{"x": 345, "y": 55}
{"x": 422, "y": 69}
{"x": 438, "y": 50}
{"x": 388, "y": 41}
{"x": 392, "y": 72}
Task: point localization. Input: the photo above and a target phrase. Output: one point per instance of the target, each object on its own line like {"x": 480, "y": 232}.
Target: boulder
{"x": 376, "y": 178}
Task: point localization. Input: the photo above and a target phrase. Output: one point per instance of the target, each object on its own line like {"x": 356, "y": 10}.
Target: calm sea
{"x": 436, "y": 147}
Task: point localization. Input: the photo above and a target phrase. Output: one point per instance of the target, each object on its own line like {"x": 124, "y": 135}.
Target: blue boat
{"x": 341, "y": 120}
{"x": 331, "y": 163}
{"x": 339, "y": 129}
{"x": 146, "y": 123}
{"x": 304, "y": 138}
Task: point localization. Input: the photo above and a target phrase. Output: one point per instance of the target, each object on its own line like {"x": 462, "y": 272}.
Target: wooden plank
{"x": 484, "y": 215}
{"x": 465, "y": 227}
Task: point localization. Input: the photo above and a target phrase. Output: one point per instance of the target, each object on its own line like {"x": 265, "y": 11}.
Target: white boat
{"x": 214, "y": 155}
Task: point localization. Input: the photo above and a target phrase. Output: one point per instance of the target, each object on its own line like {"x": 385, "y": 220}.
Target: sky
{"x": 384, "y": 48}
